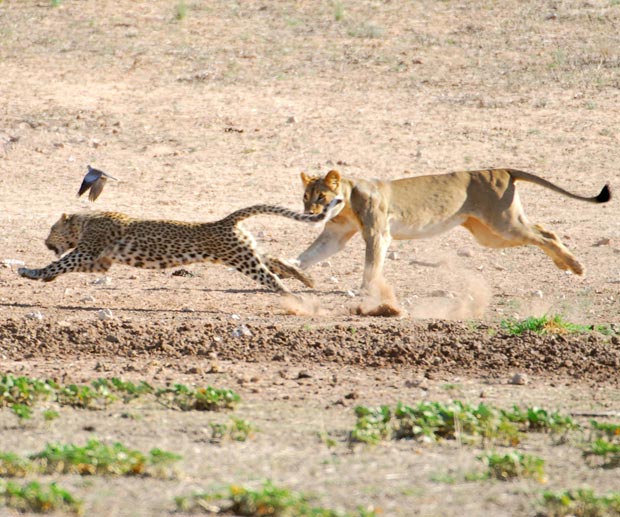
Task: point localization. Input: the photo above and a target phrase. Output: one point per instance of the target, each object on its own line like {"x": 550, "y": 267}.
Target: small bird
{"x": 94, "y": 180}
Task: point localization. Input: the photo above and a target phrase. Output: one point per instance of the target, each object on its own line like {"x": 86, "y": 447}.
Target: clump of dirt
{"x": 381, "y": 301}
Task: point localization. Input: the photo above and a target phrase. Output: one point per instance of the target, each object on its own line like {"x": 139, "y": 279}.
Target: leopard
{"x": 485, "y": 202}
{"x": 93, "y": 241}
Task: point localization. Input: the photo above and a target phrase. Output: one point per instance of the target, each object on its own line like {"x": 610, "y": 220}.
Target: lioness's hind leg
{"x": 519, "y": 234}
{"x": 284, "y": 270}
{"x": 485, "y": 236}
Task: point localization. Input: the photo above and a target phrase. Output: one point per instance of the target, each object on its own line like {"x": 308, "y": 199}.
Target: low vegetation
{"x": 513, "y": 465}
{"x": 21, "y": 393}
{"x": 433, "y": 421}
{"x": 581, "y": 502}
{"x": 548, "y": 324}
{"x": 94, "y": 458}
{"x": 269, "y": 500}
{"x": 38, "y": 498}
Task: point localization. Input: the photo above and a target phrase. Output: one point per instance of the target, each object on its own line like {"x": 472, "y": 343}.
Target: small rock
{"x": 111, "y": 338}
{"x": 603, "y": 242}
{"x": 291, "y": 120}
{"x": 326, "y": 263}
{"x": 241, "y": 330}
{"x": 333, "y": 279}
{"x": 235, "y": 317}
{"x": 351, "y": 294}
{"x": 188, "y": 309}
{"x": 104, "y": 280}
{"x": 304, "y": 374}
{"x": 519, "y": 379}
{"x": 88, "y": 298}
{"x": 393, "y": 255}
{"x": 441, "y": 293}
{"x": 465, "y": 252}
{"x": 183, "y": 272}
{"x": 36, "y": 315}
{"x": 537, "y": 294}
{"x": 8, "y": 262}
{"x": 105, "y": 314}
{"x": 352, "y": 395}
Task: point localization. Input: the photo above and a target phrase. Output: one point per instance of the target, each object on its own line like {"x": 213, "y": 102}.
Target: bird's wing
{"x": 97, "y": 188}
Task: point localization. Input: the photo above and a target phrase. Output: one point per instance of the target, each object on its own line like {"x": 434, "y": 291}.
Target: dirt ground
{"x": 201, "y": 108}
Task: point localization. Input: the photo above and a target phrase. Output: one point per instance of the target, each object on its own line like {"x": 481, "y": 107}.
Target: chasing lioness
{"x": 485, "y": 202}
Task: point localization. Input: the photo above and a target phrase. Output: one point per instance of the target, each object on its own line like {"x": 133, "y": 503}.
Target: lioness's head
{"x": 64, "y": 234}
{"x": 320, "y": 191}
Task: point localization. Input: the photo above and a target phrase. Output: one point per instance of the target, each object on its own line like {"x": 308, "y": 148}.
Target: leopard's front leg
{"x": 73, "y": 262}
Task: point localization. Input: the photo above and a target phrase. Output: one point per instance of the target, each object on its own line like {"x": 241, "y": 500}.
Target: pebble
{"x": 393, "y": 255}
{"x": 105, "y": 314}
{"x": 36, "y": 315}
{"x": 88, "y": 298}
{"x": 441, "y": 293}
{"x": 351, "y": 294}
{"x": 519, "y": 379}
{"x": 326, "y": 263}
{"x": 333, "y": 279}
{"x": 537, "y": 294}
{"x": 465, "y": 252}
{"x": 235, "y": 317}
{"x": 12, "y": 262}
{"x": 241, "y": 330}
{"x": 291, "y": 120}
{"x": 104, "y": 280}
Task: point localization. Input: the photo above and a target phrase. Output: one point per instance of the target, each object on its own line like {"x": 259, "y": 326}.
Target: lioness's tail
{"x": 603, "y": 196}
{"x": 244, "y": 213}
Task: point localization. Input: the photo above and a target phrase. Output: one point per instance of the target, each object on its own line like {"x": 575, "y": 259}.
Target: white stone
{"x": 105, "y": 314}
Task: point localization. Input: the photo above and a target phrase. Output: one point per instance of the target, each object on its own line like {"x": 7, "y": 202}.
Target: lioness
{"x": 485, "y": 202}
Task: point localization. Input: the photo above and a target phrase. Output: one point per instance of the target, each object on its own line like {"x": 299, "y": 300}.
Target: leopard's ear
{"x": 64, "y": 217}
{"x": 305, "y": 179}
{"x": 332, "y": 180}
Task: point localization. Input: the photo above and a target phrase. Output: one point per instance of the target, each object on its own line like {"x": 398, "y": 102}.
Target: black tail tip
{"x": 605, "y": 195}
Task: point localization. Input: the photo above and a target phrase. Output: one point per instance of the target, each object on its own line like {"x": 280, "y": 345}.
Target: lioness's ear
{"x": 305, "y": 179}
{"x": 332, "y": 180}
{"x": 64, "y": 217}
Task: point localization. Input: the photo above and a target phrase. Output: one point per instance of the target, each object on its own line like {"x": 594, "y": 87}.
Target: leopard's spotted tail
{"x": 244, "y": 213}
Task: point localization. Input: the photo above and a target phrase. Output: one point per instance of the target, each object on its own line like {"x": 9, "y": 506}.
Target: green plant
{"x": 22, "y": 411}
{"x": 269, "y": 500}
{"x": 201, "y": 399}
{"x": 338, "y": 11}
{"x": 373, "y": 425}
{"x": 545, "y": 325}
{"x": 13, "y": 465}
{"x": 540, "y": 420}
{"x": 238, "y": 429}
{"x": 22, "y": 390}
{"x": 96, "y": 458}
{"x": 602, "y": 448}
{"x": 513, "y": 465}
{"x": 50, "y": 414}
{"x": 581, "y": 502}
{"x": 84, "y": 396}
{"x": 181, "y": 10}
{"x": 611, "y": 431}
{"x": 38, "y": 498}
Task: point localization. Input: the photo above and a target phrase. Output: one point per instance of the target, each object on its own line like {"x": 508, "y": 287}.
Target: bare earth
{"x": 223, "y": 107}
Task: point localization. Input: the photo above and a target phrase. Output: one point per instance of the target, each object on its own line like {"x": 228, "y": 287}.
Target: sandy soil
{"x": 201, "y": 108}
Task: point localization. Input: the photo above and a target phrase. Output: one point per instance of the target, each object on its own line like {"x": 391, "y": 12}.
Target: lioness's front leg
{"x": 75, "y": 261}
{"x": 333, "y": 238}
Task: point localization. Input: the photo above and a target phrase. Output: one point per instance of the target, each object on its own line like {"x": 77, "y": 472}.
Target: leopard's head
{"x": 64, "y": 235}
{"x": 319, "y": 191}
